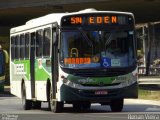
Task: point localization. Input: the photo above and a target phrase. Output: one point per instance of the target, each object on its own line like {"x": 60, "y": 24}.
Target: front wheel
{"x": 117, "y": 105}
{"x": 86, "y": 105}
{"x": 54, "y": 105}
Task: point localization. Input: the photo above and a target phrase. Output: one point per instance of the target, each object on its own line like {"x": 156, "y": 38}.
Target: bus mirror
{"x": 6, "y": 56}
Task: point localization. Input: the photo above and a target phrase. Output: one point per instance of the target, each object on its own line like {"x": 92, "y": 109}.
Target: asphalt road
{"x": 11, "y": 109}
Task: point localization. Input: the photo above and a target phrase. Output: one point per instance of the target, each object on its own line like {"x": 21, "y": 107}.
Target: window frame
{"x": 17, "y": 47}
{"x": 27, "y": 46}
{"x": 12, "y": 48}
{"x": 44, "y": 40}
{"x": 37, "y": 47}
{"x": 22, "y": 46}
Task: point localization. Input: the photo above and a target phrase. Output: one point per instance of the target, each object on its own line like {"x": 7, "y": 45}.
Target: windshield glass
{"x": 90, "y": 49}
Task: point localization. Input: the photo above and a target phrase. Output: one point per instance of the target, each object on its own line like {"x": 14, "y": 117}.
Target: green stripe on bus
{"x": 41, "y": 74}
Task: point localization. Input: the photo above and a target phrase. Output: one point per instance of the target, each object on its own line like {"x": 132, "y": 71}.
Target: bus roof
{"x": 56, "y": 17}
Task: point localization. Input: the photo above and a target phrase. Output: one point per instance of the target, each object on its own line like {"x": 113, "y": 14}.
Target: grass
{"x": 148, "y": 94}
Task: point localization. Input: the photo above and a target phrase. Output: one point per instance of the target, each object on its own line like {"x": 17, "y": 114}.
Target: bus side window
{"x": 27, "y": 46}
{"x": 22, "y": 46}
{"x": 17, "y": 46}
{"x": 12, "y": 48}
{"x": 39, "y": 43}
{"x": 47, "y": 42}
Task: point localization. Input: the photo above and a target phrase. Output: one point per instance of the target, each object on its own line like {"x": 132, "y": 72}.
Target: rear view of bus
{"x": 98, "y": 59}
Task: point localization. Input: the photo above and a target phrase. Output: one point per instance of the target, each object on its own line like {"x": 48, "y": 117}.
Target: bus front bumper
{"x": 72, "y": 94}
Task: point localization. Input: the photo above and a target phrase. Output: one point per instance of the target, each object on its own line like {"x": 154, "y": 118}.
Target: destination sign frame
{"x": 96, "y": 20}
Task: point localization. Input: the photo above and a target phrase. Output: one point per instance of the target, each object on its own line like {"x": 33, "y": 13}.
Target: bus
{"x": 76, "y": 58}
{"x": 3, "y": 61}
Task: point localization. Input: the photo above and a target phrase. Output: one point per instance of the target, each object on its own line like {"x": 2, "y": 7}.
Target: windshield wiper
{"x": 86, "y": 38}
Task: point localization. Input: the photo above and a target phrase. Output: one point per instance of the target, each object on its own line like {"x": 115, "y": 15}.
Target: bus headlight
{"x": 130, "y": 81}
{"x": 70, "y": 83}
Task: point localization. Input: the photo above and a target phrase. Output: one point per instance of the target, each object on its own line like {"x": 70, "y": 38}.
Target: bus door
{"x": 32, "y": 63}
{"x": 54, "y": 61}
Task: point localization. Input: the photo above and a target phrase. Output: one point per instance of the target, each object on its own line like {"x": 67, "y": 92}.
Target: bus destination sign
{"x": 96, "y": 20}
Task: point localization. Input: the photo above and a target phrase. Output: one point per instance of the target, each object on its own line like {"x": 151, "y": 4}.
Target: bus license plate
{"x": 101, "y": 92}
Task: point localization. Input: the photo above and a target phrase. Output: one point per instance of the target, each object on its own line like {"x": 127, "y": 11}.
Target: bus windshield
{"x": 91, "y": 49}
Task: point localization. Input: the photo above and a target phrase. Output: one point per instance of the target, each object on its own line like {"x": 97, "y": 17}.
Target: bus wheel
{"x": 117, "y": 105}
{"x": 27, "y": 104}
{"x": 77, "y": 106}
{"x": 54, "y": 105}
{"x": 86, "y": 105}
{"x": 37, "y": 104}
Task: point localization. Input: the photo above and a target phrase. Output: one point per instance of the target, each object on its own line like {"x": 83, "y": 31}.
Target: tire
{"x": 55, "y": 106}
{"x": 37, "y": 104}
{"x": 86, "y": 105}
{"x": 77, "y": 106}
{"x": 117, "y": 105}
{"x": 27, "y": 104}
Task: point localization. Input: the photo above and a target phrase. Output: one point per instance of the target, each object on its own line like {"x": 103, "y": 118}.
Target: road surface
{"x": 11, "y": 109}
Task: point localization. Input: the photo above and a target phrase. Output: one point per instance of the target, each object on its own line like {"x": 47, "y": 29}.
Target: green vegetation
{"x": 149, "y": 94}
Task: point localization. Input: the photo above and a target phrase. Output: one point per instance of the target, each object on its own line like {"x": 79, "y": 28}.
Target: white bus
{"x": 75, "y": 58}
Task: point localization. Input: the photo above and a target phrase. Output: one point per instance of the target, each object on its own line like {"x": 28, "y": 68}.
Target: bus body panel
{"x": 41, "y": 88}
{"x": 76, "y": 88}
{"x": 17, "y": 75}
{"x": 70, "y": 94}
{"x": 20, "y": 71}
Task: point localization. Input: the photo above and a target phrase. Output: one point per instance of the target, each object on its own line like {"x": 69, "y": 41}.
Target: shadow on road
{"x": 93, "y": 109}
{"x": 6, "y": 94}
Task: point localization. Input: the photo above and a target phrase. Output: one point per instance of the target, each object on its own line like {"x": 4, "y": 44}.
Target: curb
{"x": 142, "y": 101}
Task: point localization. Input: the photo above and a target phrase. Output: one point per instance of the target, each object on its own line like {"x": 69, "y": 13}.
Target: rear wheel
{"x": 117, "y": 105}
{"x": 54, "y": 105}
{"x": 36, "y": 104}
{"x": 27, "y": 104}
